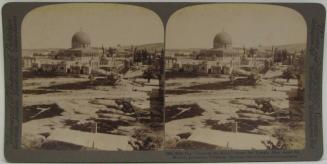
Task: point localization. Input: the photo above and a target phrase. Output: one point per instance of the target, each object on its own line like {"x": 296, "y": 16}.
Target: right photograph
{"x": 235, "y": 78}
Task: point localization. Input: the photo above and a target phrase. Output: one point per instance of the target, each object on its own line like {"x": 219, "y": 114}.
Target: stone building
{"x": 80, "y": 50}
{"x": 28, "y": 61}
{"x": 81, "y": 58}
{"x": 223, "y": 58}
{"x": 219, "y": 59}
{"x": 81, "y": 40}
{"x": 222, "y": 40}
{"x": 170, "y": 62}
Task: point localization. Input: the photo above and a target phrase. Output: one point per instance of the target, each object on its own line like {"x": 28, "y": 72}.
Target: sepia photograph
{"x": 235, "y": 78}
{"x": 163, "y": 82}
{"x": 91, "y": 77}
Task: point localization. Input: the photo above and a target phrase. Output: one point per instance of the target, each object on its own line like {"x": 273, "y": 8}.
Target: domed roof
{"x": 80, "y": 39}
{"x": 222, "y": 39}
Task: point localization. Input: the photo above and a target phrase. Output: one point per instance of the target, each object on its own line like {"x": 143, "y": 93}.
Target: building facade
{"x": 221, "y": 59}
{"x": 81, "y": 58}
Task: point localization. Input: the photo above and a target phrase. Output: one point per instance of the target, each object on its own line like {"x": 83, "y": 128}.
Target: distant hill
{"x": 292, "y": 47}
{"x": 30, "y": 52}
{"x": 267, "y": 49}
{"x": 151, "y": 46}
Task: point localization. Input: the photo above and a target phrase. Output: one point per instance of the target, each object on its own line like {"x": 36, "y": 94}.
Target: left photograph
{"x": 91, "y": 78}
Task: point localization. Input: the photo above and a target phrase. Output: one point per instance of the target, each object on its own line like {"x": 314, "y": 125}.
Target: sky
{"x": 249, "y": 25}
{"x": 106, "y": 24}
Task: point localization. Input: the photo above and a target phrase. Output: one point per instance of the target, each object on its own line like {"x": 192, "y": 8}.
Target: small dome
{"x": 222, "y": 40}
{"x": 80, "y": 40}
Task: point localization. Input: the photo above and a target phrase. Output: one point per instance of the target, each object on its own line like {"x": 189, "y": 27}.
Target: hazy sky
{"x": 248, "y": 24}
{"x": 108, "y": 24}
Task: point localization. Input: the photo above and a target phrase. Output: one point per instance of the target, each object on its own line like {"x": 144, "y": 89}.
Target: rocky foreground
{"x": 208, "y": 113}
{"x": 69, "y": 113}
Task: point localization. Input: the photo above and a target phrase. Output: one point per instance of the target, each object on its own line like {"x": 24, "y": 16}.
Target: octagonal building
{"x": 222, "y": 40}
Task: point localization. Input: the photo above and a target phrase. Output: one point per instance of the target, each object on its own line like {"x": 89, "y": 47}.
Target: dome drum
{"x": 81, "y": 40}
{"x": 222, "y": 40}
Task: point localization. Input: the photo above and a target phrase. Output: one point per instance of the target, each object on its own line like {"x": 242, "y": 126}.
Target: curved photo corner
{"x": 235, "y": 78}
{"x": 91, "y": 78}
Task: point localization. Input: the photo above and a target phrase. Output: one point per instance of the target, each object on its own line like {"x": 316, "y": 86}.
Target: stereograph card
{"x": 163, "y": 82}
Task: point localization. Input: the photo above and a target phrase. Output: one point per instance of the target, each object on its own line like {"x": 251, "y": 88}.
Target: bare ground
{"x": 225, "y": 105}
